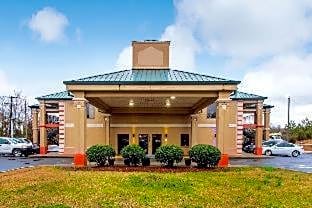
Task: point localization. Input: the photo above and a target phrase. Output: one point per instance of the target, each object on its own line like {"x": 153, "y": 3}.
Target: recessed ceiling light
{"x": 172, "y": 97}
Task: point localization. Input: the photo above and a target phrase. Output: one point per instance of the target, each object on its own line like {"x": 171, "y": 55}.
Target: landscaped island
{"x": 234, "y": 187}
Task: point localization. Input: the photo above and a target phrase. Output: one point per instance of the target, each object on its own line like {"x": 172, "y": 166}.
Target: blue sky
{"x": 105, "y": 28}
{"x": 266, "y": 46}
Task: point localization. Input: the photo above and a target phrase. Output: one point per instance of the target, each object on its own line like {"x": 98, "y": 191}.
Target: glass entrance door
{"x": 123, "y": 140}
{"x": 143, "y": 142}
{"x": 156, "y": 142}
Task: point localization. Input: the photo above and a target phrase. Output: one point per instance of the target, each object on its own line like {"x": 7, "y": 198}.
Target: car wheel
{"x": 295, "y": 153}
{"x": 268, "y": 153}
{"x": 17, "y": 153}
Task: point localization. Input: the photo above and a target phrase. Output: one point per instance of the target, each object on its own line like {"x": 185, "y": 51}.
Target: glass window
{"x": 185, "y": 140}
{"x": 283, "y": 144}
{"x": 90, "y": 111}
{"x": 4, "y": 141}
{"x": 212, "y": 110}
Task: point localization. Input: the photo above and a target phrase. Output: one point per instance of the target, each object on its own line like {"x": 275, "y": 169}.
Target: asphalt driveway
{"x": 9, "y": 163}
{"x": 302, "y": 163}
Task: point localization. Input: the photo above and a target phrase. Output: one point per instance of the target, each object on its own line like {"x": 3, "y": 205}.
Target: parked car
{"x": 282, "y": 148}
{"x": 11, "y": 146}
{"x": 272, "y": 142}
{"x": 35, "y": 147}
{"x": 250, "y": 148}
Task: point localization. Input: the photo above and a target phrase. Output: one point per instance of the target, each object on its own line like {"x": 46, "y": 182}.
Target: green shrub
{"x": 134, "y": 153}
{"x": 205, "y": 155}
{"x": 169, "y": 154}
{"x": 101, "y": 154}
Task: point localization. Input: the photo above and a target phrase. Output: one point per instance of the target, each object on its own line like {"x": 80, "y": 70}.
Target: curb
{"x": 20, "y": 168}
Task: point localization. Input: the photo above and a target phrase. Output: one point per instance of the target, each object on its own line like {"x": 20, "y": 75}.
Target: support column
{"x": 194, "y": 129}
{"x": 43, "y": 130}
{"x": 35, "y": 127}
{"x": 259, "y": 128}
{"x": 267, "y": 113}
{"x": 222, "y": 126}
{"x": 80, "y": 125}
{"x": 240, "y": 127}
{"x": 107, "y": 128}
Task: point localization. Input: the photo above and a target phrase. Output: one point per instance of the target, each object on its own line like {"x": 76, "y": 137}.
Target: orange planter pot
{"x": 224, "y": 161}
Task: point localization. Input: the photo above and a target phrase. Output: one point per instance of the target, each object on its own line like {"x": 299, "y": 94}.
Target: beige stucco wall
{"x": 172, "y": 125}
{"x": 95, "y": 130}
{"x": 150, "y": 54}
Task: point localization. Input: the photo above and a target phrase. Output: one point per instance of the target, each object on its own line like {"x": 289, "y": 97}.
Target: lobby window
{"x": 185, "y": 140}
{"x": 212, "y": 110}
{"x": 90, "y": 111}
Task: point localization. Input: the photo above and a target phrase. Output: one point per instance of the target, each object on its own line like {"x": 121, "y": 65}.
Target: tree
{"x": 15, "y": 114}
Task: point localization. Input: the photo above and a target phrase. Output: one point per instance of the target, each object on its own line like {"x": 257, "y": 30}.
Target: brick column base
{"x": 80, "y": 160}
{"x": 224, "y": 161}
{"x": 43, "y": 150}
{"x": 258, "y": 151}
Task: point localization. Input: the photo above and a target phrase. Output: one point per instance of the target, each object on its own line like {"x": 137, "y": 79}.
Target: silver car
{"x": 283, "y": 148}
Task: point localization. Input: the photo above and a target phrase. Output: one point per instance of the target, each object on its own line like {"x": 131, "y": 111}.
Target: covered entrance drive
{"x": 154, "y": 107}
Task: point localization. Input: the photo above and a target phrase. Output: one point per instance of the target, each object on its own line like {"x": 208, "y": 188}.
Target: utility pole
{"x": 288, "y": 111}
{"x": 11, "y": 126}
{"x": 26, "y": 124}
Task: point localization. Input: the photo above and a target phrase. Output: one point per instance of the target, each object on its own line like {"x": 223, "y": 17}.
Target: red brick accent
{"x": 80, "y": 160}
{"x": 224, "y": 161}
{"x": 43, "y": 150}
{"x": 258, "y": 151}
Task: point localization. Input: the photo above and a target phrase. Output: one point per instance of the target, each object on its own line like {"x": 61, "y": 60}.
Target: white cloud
{"x": 49, "y": 24}
{"x": 283, "y": 76}
{"x": 5, "y": 86}
{"x": 247, "y": 29}
{"x": 124, "y": 60}
{"x": 269, "y": 38}
{"x": 183, "y": 47}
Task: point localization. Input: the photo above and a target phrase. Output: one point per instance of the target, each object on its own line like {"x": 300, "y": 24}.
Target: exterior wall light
{"x": 168, "y": 103}
{"x": 223, "y": 106}
{"x": 131, "y": 103}
{"x": 172, "y": 97}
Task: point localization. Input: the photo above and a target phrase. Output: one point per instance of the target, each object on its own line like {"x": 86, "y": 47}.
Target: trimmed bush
{"x": 169, "y": 154}
{"x": 205, "y": 155}
{"x": 101, "y": 154}
{"x": 134, "y": 153}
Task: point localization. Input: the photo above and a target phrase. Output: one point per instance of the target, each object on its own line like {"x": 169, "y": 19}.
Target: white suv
{"x": 10, "y": 146}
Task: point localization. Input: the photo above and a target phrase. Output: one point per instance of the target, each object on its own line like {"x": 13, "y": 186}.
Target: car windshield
{"x": 27, "y": 141}
{"x": 18, "y": 140}
{"x": 13, "y": 141}
{"x": 269, "y": 143}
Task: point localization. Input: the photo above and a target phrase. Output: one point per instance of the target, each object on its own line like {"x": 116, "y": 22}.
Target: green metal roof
{"x": 65, "y": 95}
{"x": 152, "y": 76}
{"x": 238, "y": 95}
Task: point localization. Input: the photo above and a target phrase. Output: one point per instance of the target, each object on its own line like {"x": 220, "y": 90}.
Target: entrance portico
{"x": 149, "y": 105}
{"x": 154, "y": 107}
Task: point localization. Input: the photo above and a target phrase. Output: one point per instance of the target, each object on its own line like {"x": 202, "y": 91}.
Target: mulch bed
{"x": 157, "y": 169}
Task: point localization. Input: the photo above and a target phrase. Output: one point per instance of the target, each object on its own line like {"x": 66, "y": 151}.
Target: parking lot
{"x": 9, "y": 163}
{"x": 302, "y": 163}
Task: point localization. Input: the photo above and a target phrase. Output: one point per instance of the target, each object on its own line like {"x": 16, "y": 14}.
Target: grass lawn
{"x": 241, "y": 187}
